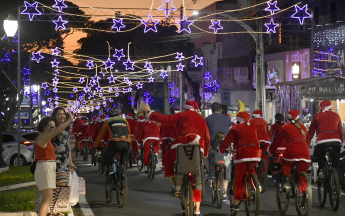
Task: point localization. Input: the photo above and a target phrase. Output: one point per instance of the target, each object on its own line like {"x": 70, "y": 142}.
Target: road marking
{"x": 84, "y": 206}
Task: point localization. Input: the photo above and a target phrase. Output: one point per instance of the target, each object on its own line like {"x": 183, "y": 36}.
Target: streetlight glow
{"x": 195, "y": 13}
{"x": 10, "y": 26}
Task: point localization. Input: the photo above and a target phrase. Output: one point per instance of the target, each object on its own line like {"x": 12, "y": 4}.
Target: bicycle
{"x": 261, "y": 170}
{"x": 140, "y": 158}
{"x": 130, "y": 158}
{"x": 300, "y": 192}
{"x": 251, "y": 195}
{"x": 116, "y": 180}
{"x": 99, "y": 159}
{"x": 217, "y": 184}
{"x": 86, "y": 149}
{"x": 77, "y": 146}
{"x": 330, "y": 184}
{"x": 153, "y": 160}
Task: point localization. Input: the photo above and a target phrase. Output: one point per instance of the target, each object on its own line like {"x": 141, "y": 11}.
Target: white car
{"x": 10, "y": 146}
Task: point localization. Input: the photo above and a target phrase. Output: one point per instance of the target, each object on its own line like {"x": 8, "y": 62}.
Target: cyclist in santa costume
{"x": 168, "y": 134}
{"x": 297, "y": 139}
{"x": 76, "y": 128}
{"x": 132, "y": 124}
{"x": 191, "y": 128}
{"x": 138, "y": 130}
{"x": 329, "y": 131}
{"x": 262, "y": 127}
{"x": 244, "y": 137}
{"x": 85, "y": 136}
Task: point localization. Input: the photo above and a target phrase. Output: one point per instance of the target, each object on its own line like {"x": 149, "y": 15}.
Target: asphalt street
{"x": 151, "y": 196}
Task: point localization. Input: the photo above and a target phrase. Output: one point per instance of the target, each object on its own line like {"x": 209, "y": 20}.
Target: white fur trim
{"x": 152, "y": 138}
{"x": 297, "y": 159}
{"x": 256, "y": 116}
{"x": 248, "y": 123}
{"x": 167, "y": 138}
{"x": 281, "y": 148}
{"x": 139, "y": 120}
{"x": 148, "y": 115}
{"x": 247, "y": 160}
{"x": 240, "y": 119}
{"x": 289, "y": 116}
{"x": 177, "y": 144}
{"x": 327, "y": 108}
{"x": 189, "y": 107}
{"x": 265, "y": 141}
{"x": 129, "y": 117}
{"x": 328, "y": 140}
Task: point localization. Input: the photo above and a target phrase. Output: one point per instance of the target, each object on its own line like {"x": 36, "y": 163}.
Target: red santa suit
{"x": 297, "y": 145}
{"x": 191, "y": 127}
{"x": 262, "y": 127}
{"x": 85, "y": 136}
{"x": 76, "y": 129}
{"x": 138, "y": 130}
{"x": 92, "y": 128}
{"x": 132, "y": 124}
{"x": 167, "y": 132}
{"x": 150, "y": 134}
{"x": 244, "y": 136}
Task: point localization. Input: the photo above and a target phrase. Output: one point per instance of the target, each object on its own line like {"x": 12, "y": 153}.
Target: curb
{"x": 10, "y": 187}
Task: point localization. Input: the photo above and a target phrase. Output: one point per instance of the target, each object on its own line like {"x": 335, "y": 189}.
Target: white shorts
{"x": 45, "y": 175}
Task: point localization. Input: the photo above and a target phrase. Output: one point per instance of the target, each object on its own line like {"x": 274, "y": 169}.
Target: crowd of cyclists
{"x": 249, "y": 141}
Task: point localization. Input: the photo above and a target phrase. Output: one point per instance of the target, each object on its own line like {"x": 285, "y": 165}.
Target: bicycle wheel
{"x": 93, "y": 159}
{"x": 252, "y": 195}
{"x": 189, "y": 198}
{"x": 77, "y": 150}
{"x": 262, "y": 175}
{"x": 122, "y": 187}
{"x": 231, "y": 198}
{"x": 303, "y": 191}
{"x": 342, "y": 177}
{"x": 203, "y": 182}
{"x": 334, "y": 189}
{"x": 220, "y": 189}
{"x": 86, "y": 151}
{"x": 109, "y": 184}
{"x": 140, "y": 163}
{"x": 283, "y": 196}
{"x": 130, "y": 158}
{"x": 213, "y": 192}
{"x": 152, "y": 166}
{"x": 322, "y": 193}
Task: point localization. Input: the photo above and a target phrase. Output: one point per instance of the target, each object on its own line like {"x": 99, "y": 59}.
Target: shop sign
{"x": 324, "y": 87}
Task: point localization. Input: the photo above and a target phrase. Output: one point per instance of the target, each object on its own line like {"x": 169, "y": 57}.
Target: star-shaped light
{"x": 60, "y": 23}
{"x": 111, "y": 79}
{"x": 56, "y": 79}
{"x": 87, "y": 89}
{"x": 166, "y": 8}
{"x": 172, "y": 85}
{"x": 272, "y": 7}
{"x": 150, "y": 24}
{"x": 37, "y": 56}
{"x": 56, "y": 51}
{"x": 81, "y": 97}
{"x": 109, "y": 64}
{"x": 44, "y": 85}
{"x": 84, "y": 102}
{"x": 139, "y": 85}
{"x": 117, "y": 94}
{"x": 56, "y": 97}
{"x": 197, "y": 61}
{"x": 100, "y": 94}
{"x": 47, "y": 92}
{"x": 301, "y": 13}
{"x": 55, "y": 83}
{"x": 91, "y": 95}
{"x": 151, "y": 79}
{"x": 148, "y": 65}
{"x": 180, "y": 67}
{"x": 271, "y": 27}
{"x": 92, "y": 82}
{"x": 130, "y": 89}
{"x": 98, "y": 107}
{"x": 150, "y": 71}
{"x": 179, "y": 56}
{"x": 207, "y": 75}
{"x": 96, "y": 78}
{"x": 75, "y": 89}
{"x": 119, "y": 54}
{"x": 172, "y": 100}
{"x": 129, "y": 64}
{"x": 184, "y": 24}
{"x": 31, "y": 10}
{"x": 81, "y": 79}
{"x": 110, "y": 89}
{"x": 56, "y": 72}
{"x": 49, "y": 100}
{"x": 146, "y": 94}
{"x": 90, "y": 64}
{"x": 125, "y": 79}
{"x": 60, "y": 5}
{"x": 118, "y": 24}
{"x": 116, "y": 88}
{"x": 111, "y": 100}
{"x": 55, "y": 63}
{"x": 163, "y": 74}
{"x": 71, "y": 95}
{"x": 99, "y": 89}
{"x": 55, "y": 90}
{"x": 102, "y": 72}
{"x": 124, "y": 90}
{"x": 215, "y": 26}
{"x": 104, "y": 98}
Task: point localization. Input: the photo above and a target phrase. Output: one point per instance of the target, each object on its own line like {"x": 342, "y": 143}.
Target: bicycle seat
{"x": 329, "y": 149}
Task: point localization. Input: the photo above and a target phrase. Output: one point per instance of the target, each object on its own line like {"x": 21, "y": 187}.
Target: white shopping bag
{"x": 82, "y": 190}
{"x": 74, "y": 185}
{"x": 60, "y": 202}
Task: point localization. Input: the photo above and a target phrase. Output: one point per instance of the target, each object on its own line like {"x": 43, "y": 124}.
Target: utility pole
{"x": 31, "y": 104}
{"x": 166, "y": 93}
{"x": 19, "y": 91}
{"x": 260, "y": 72}
{"x": 312, "y": 45}
{"x": 181, "y": 73}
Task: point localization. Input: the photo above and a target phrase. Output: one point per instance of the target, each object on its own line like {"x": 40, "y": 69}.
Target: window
{"x": 7, "y": 138}
{"x": 30, "y": 136}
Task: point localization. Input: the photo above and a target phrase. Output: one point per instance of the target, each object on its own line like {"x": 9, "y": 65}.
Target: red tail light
{"x": 27, "y": 143}
{"x": 280, "y": 155}
{"x": 189, "y": 174}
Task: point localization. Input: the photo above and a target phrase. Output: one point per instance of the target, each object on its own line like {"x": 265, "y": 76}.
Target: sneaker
{"x": 260, "y": 187}
{"x": 197, "y": 214}
{"x": 174, "y": 192}
{"x": 321, "y": 177}
{"x": 235, "y": 207}
{"x": 287, "y": 185}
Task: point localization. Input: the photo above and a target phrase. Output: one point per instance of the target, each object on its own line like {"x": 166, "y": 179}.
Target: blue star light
{"x": 139, "y": 85}
{"x": 60, "y": 23}
{"x": 207, "y": 75}
{"x": 71, "y": 95}
{"x": 197, "y": 61}
{"x": 172, "y": 85}
{"x": 148, "y": 65}
{"x": 90, "y": 64}
{"x": 110, "y": 89}
{"x": 47, "y": 92}
{"x": 81, "y": 79}
{"x": 272, "y": 7}
{"x": 117, "y": 94}
{"x": 130, "y": 89}
{"x": 271, "y": 27}
{"x": 111, "y": 79}
{"x": 184, "y": 24}
{"x": 109, "y": 64}
{"x": 99, "y": 89}
{"x": 96, "y": 78}
{"x": 180, "y": 67}
{"x": 55, "y": 89}
{"x": 87, "y": 89}
{"x": 151, "y": 79}
{"x": 166, "y": 8}
{"x": 150, "y": 24}
{"x": 56, "y": 72}
{"x": 37, "y": 56}
{"x": 129, "y": 64}
{"x": 125, "y": 79}
{"x": 56, "y": 79}
{"x": 119, "y": 54}
{"x": 56, "y": 51}
{"x": 111, "y": 100}
{"x": 91, "y": 95}
{"x": 179, "y": 56}
{"x": 44, "y": 85}
{"x": 55, "y": 63}
{"x": 31, "y": 10}
{"x": 150, "y": 71}
{"x": 75, "y": 89}
{"x": 215, "y": 26}
{"x": 60, "y": 5}
{"x": 92, "y": 83}
{"x": 301, "y": 13}
{"x": 163, "y": 74}
{"x": 118, "y": 24}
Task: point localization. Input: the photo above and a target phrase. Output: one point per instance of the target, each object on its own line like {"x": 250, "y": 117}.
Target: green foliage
{"x": 16, "y": 175}
{"x": 18, "y": 200}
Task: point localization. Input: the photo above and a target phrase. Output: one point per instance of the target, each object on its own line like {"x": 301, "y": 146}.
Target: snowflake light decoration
{"x": 207, "y": 75}
{"x": 172, "y": 100}
{"x": 172, "y": 85}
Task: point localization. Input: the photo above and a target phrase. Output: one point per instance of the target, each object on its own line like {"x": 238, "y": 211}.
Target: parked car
{"x": 342, "y": 170}
{"x": 10, "y": 145}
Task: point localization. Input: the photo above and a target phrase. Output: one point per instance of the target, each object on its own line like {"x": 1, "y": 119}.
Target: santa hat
{"x": 102, "y": 117}
{"x": 86, "y": 122}
{"x": 192, "y": 105}
{"x": 326, "y": 105}
{"x": 94, "y": 119}
{"x": 129, "y": 116}
{"x": 141, "y": 118}
{"x": 78, "y": 116}
{"x": 257, "y": 114}
{"x": 293, "y": 115}
{"x": 243, "y": 117}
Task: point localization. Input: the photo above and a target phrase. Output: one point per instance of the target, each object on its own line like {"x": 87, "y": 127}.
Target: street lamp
{"x": 11, "y": 26}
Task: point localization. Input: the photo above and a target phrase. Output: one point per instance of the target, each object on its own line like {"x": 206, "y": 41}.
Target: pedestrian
{"x": 45, "y": 172}
{"x": 64, "y": 164}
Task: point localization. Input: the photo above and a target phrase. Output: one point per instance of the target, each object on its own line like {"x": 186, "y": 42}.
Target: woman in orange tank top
{"x": 45, "y": 175}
